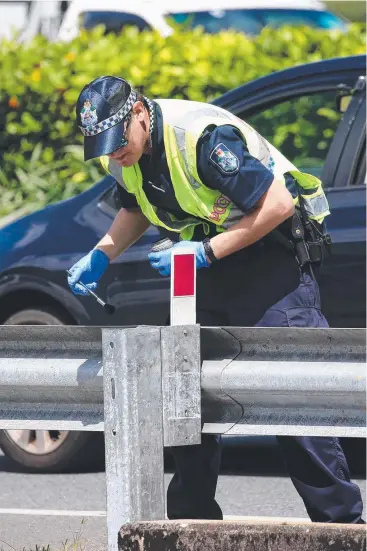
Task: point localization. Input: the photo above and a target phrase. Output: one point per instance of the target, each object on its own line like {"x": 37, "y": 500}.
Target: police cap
{"x": 102, "y": 106}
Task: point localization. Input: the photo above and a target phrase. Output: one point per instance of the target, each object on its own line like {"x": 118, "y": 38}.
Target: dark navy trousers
{"x": 263, "y": 286}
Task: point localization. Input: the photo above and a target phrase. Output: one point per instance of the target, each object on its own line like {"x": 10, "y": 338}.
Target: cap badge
{"x": 88, "y": 114}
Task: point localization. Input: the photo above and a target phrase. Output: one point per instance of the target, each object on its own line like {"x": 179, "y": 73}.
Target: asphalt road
{"x": 49, "y": 509}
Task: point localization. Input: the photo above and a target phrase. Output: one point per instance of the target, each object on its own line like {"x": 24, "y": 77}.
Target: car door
{"x": 302, "y": 121}
{"x": 344, "y": 178}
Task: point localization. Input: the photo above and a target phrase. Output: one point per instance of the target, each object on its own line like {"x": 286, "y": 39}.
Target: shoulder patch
{"x": 223, "y": 157}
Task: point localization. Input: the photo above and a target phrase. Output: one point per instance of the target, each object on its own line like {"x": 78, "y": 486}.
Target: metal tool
{"x": 108, "y": 308}
{"x": 162, "y": 245}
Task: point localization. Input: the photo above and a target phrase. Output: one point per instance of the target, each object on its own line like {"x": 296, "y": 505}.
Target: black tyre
{"x": 49, "y": 451}
{"x": 34, "y": 316}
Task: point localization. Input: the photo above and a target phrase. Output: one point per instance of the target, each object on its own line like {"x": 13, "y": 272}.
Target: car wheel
{"x": 52, "y": 450}
{"x": 45, "y": 450}
{"x": 32, "y": 316}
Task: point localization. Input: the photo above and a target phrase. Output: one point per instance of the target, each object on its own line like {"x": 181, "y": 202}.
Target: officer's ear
{"x": 139, "y": 110}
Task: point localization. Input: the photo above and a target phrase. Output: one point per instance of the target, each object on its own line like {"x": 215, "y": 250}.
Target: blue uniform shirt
{"x": 223, "y": 163}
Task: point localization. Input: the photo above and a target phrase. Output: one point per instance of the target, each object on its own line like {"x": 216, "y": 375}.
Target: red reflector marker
{"x": 184, "y": 275}
{"x": 183, "y": 287}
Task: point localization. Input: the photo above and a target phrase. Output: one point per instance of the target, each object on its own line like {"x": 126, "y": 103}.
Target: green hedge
{"x": 40, "y": 144}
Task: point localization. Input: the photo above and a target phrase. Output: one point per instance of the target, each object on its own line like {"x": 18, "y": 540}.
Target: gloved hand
{"x": 161, "y": 260}
{"x": 88, "y": 270}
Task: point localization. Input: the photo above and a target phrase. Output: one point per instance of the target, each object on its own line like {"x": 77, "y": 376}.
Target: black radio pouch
{"x": 308, "y": 241}
{"x": 298, "y": 240}
{"x": 317, "y": 240}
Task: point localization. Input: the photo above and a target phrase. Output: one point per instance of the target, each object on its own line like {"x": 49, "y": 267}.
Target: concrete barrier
{"x": 209, "y": 535}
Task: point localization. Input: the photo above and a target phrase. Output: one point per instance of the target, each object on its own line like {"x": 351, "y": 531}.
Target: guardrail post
{"x": 133, "y": 427}
{"x": 181, "y": 368}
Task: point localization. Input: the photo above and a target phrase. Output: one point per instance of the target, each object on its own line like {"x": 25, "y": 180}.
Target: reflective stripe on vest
{"x": 312, "y": 195}
{"x": 133, "y": 183}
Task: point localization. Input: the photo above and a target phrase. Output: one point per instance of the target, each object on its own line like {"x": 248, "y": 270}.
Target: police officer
{"x": 256, "y": 224}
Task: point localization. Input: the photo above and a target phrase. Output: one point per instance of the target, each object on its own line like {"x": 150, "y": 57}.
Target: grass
{"x": 78, "y": 543}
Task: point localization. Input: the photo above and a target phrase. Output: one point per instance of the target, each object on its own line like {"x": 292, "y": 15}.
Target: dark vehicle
{"x": 297, "y": 111}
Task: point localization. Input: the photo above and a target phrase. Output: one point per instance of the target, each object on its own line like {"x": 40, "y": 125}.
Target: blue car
{"x": 289, "y": 108}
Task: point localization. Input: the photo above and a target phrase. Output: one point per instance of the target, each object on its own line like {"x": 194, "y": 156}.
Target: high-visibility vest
{"x": 183, "y": 124}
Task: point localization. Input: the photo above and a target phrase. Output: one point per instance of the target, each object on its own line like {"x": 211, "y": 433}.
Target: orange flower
{"x": 13, "y": 102}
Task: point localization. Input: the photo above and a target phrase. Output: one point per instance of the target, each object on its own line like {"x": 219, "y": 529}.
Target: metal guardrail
{"x": 163, "y": 386}
{"x": 51, "y": 377}
{"x": 284, "y": 381}
{"x": 253, "y": 380}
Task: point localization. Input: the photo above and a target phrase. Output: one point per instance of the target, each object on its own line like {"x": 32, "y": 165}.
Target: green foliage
{"x": 301, "y": 128}
{"x": 37, "y": 182}
{"x": 41, "y": 147}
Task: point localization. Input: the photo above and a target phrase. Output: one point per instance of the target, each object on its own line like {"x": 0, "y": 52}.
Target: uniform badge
{"x": 88, "y": 114}
{"x": 225, "y": 159}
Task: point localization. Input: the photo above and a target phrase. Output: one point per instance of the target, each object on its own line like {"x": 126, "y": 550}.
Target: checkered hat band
{"x": 111, "y": 121}
{"x": 151, "y": 114}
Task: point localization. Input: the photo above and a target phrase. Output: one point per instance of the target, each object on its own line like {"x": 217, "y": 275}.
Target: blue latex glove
{"x": 161, "y": 260}
{"x": 88, "y": 270}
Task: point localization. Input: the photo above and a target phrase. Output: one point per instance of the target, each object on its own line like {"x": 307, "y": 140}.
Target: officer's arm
{"x": 275, "y": 206}
{"x": 128, "y": 226}
{"x": 225, "y": 164}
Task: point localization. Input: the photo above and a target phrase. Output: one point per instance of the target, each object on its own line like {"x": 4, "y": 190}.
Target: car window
{"x": 301, "y": 128}
{"x": 251, "y": 21}
{"x": 112, "y": 20}
{"x": 311, "y": 18}
{"x": 218, "y": 20}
